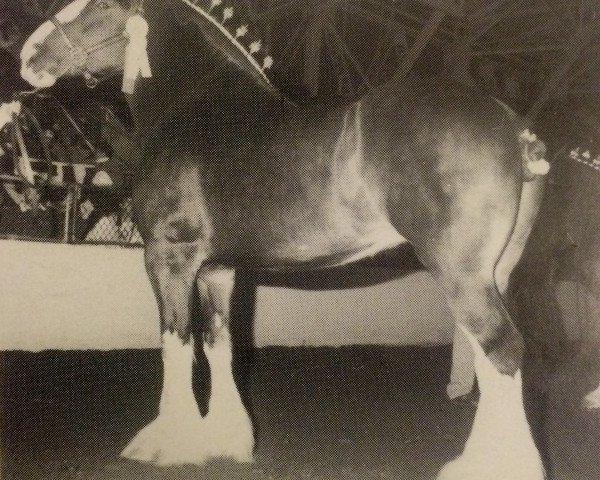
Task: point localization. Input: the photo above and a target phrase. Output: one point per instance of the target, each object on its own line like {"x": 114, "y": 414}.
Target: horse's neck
{"x": 182, "y": 63}
{"x": 169, "y": 66}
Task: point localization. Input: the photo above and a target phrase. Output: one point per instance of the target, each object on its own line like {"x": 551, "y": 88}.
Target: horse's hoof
{"x": 463, "y": 469}
{"x": 191, "y": 441}
{"x": 592, "y": 400}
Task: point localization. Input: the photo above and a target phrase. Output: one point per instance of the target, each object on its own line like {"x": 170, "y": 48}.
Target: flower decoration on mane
{"x": 585, "y": 157}
{"x": 220, "y": 18}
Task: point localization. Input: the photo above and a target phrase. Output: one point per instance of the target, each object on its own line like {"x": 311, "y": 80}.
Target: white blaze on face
{"x": 44, "y": 79}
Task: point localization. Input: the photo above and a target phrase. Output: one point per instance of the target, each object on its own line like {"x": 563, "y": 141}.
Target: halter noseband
{"x": 79, "y": 55}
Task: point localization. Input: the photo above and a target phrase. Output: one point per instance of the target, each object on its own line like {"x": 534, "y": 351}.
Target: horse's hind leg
{"x": 464, "y": 259}
{"x": 180, "y": 434}
{"x": 590, "y": 302}
{"x": 500, "y": 446}
{"x": 588, "y": 294}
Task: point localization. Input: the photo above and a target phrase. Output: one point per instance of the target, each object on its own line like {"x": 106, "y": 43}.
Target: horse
{"x": 564, "y": 244}
{"x": 233, "y": 175}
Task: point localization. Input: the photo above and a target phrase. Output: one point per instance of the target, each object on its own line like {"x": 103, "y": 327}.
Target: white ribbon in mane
{"x": 136, "y": 54}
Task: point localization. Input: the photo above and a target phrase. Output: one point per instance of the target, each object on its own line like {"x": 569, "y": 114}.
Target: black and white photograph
{"x": 299, "y": 239}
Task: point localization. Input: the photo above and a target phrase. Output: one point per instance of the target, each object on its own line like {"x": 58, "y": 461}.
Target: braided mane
{"x": 216, "y": 22}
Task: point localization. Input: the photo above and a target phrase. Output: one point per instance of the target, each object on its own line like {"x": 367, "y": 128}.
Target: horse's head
{"x": 85, "y": 38}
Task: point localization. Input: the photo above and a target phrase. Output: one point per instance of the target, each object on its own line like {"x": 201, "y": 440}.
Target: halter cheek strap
{"x": 62, "y": 32}
{"x": 80, "y": 55}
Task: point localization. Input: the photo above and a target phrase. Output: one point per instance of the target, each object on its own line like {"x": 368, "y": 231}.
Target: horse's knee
{"x": 215, "y": 289}
{"x": 172, "y": 270}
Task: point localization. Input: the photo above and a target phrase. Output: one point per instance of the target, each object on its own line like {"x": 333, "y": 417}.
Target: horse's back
{"x": 425, "y": 112}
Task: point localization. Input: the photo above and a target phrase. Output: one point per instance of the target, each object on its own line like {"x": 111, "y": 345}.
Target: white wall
{"x": 55, "y": 296}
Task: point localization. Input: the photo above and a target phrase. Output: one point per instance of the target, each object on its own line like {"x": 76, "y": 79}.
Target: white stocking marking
{"x": 500, "y": 446}
{"x": 592, "y": 399}
{"x": 226, "y": 413}
{"x": 179, "y": 434}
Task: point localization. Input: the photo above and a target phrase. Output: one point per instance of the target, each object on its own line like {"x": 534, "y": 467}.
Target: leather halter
{"x": 79, "y": 55}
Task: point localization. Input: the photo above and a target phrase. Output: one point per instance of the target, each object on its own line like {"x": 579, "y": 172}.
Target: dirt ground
{"x": 322, "y": 414}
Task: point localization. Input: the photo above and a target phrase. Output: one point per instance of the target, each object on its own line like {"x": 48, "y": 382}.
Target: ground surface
{"x": 328, "y": 414}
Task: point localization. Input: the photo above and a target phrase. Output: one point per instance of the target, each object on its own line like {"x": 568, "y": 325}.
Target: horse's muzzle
{"x": 40, "y": 79}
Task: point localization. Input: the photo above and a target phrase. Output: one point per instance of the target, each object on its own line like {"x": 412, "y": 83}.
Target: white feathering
{"x": 214, "y": 4}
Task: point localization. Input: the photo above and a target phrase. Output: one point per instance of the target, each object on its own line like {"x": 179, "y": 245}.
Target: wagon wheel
{"x": 20, "y": 146}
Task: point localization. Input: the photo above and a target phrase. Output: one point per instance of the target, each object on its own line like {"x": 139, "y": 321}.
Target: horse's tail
{"x": 532, "y": 149}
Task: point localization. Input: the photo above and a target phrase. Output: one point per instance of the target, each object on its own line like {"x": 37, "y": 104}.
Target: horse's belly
{"x": 347, "y": 223}
{"x": 337, "y": 245}
{"x": 382, "y": 237}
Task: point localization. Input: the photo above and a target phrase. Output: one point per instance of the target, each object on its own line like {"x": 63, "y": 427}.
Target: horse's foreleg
{"x": 230, "y": 427}
{"x": 172, "y": 437}
{"x": 179, "y": 434}
{"x": 176, "y": 436}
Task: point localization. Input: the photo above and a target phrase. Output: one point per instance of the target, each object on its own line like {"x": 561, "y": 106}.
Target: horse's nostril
{"x": 37, "y": 64}
{"x": 35, "y": 60}
{"x": 33, "y": 65}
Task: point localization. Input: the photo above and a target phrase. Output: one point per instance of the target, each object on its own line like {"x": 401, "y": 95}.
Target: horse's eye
{"x": 102, "y": 4}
